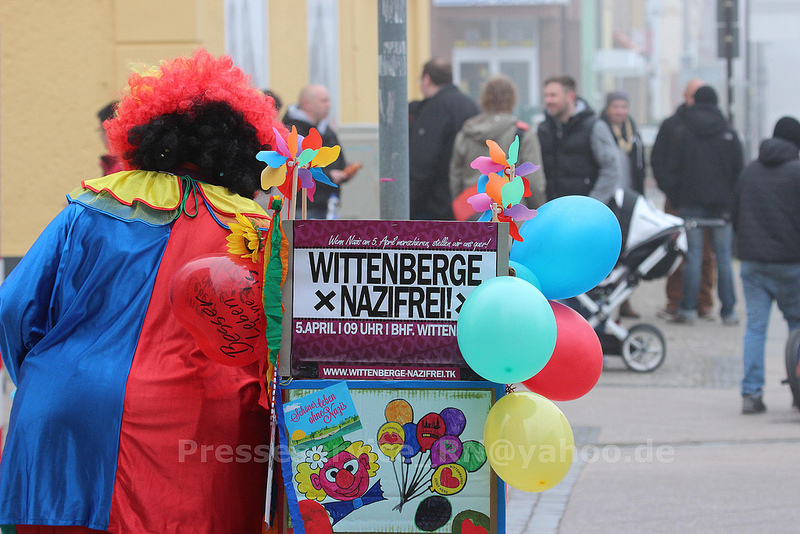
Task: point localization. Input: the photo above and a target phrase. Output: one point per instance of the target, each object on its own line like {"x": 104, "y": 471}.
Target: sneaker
{"x": 730, "y": 320}
{"x": 752, "y": 404}
{"x": 682, "y": 317}
{"x": 667, "y": 314}
{"x": 706, "y": 315}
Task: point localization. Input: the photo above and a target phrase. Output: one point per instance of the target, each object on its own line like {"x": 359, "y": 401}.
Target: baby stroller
{"x": 653, "y": 245}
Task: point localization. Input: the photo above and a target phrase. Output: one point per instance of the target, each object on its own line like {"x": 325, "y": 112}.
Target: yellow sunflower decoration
{"x": 245, "y": 240}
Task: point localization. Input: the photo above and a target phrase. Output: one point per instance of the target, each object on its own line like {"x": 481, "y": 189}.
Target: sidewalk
{"x": 670, "y": 451}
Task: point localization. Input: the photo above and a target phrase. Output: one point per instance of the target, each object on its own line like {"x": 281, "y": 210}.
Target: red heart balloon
{"x": 468, "y": 527}
{"x": 218, "y": 299}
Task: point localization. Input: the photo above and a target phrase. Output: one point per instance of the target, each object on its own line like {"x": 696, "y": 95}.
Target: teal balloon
{"x": 525, "y": 273}
{"x": 571, "y": 245}
{"x": 506, "y": 330}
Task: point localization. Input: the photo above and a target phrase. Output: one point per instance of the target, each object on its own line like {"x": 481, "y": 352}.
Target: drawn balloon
{"x": 391, "y": 437}
{"x": 445, "y": 450}
{"x": 430, "y": 428}
{"x": 454, "y": 421}
{"x": 410, "y": 445}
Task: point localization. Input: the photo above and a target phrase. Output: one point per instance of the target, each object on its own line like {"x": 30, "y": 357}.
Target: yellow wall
{"x": 62, "y": 60}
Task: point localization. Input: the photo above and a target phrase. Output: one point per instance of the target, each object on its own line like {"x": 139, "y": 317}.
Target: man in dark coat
{"x": 660, "y": 161}
{"x": 767, "y": 223}
{"x": 578, "y": 150}
{"x": 311, "y": 111}
{"x": 706, "y": 161}
{"x": 432, "y": 127}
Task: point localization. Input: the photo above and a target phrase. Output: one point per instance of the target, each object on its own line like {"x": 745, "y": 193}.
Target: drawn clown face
{"x": 343, "y": 477}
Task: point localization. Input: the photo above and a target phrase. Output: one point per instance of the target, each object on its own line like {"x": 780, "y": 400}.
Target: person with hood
{"x": 660, "y": 162}
{"x": 433, "y": 124}
{"x": 706, "y": 161}
{"x": 767, "y": 224}
{"x": 578, "y": 150}
{"x": 495, "y": 122}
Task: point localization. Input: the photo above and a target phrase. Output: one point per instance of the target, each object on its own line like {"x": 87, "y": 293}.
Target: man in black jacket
{"x": 767, "y": 223}
{"x": 432, "y": 127}
{"x": 706, "y": 161}
{"x": 311, "y": 111}
{"x": 578, "y": 151}
{"x": 660, "y": 161}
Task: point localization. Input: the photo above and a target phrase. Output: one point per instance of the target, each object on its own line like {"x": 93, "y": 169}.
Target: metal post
{"x": 393, "y": 108}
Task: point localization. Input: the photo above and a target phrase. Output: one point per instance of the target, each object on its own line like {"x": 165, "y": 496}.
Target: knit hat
{"x": 706, "y": 95}
{"x": 616, "y": 95}
{"x": 788, "y": 128}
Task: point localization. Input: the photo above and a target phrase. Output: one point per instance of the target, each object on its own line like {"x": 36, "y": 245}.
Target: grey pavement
{"x": 670, "y": 451}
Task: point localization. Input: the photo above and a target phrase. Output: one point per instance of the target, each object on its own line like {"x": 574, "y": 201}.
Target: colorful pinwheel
{"x": 297, "y": 158}
{"x": 502, "y": 186}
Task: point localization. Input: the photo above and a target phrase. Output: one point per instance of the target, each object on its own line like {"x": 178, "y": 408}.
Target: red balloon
{"x": 219, "y": 300}
{"x": 577, "y": 360}
{"x": 429, "y": 429}
{"x": 315, "y": 517}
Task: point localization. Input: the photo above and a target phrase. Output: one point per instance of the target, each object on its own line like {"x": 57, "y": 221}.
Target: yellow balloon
{"x": 448, "y": 479}
{"x": 528, "y": 441}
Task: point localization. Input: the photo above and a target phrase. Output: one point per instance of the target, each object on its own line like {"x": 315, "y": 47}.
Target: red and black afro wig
{"x": 199, "y": 110}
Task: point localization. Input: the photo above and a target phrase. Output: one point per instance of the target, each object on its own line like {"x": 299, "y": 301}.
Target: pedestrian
{"x": 496, "y": 122}
{"x": 578, "y": 150}
{"x": 631, "y": 156}
{"x": 660, "y": 162}
{"x": 113, "y": 393}
{"x": 706, "y": 161}
{"x": 433, "y": 124}
{"x": 628, "y": 139}
{"x": 311, "y": 111}
{"x": 766, "y": 219}
{"x": 108, "y": 163}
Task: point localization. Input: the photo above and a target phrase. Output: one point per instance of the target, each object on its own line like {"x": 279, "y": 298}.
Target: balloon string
{"x": 416, "y": 471}
{"x": 416, "y": 485}
{"x": 419, "y": 477}
{"x": 418, "y": 494}
{"x": 394, "y": 468}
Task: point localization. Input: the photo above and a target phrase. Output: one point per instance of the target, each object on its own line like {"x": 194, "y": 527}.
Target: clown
{"x": 121, "y": 423}
{"x": 342, "y": 472}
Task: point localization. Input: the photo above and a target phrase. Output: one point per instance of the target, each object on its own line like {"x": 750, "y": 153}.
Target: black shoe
{"x": 753, "y": 404}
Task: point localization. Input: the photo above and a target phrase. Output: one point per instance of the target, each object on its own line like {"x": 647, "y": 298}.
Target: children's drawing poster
{"x": 418, "y": 463}
{"x": 364, "y": 295}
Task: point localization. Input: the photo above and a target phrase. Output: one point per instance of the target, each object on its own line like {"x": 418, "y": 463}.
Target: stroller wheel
{"x": 644, "y": 349}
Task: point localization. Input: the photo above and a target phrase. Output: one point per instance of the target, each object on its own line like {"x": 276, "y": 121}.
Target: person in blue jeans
{"x": 767, "y": 223}
{"x": 705, "y": 162}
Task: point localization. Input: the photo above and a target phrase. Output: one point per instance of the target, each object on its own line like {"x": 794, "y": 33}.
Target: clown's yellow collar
{"x": 163, "y": 191}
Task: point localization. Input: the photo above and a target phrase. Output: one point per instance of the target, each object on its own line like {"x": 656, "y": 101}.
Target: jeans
{"x": 722, "y": 240}
{"x": 763, "y": 283}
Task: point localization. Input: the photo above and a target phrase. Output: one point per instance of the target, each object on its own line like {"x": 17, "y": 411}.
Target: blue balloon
{"x": 571, "y": 245}
{"x": 506, "y": 330}
{"x": 525, "y": 273}
{"x": 411, "y": 445}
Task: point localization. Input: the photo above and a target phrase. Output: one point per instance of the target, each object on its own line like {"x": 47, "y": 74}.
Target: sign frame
{"x": 288, "y": 362}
